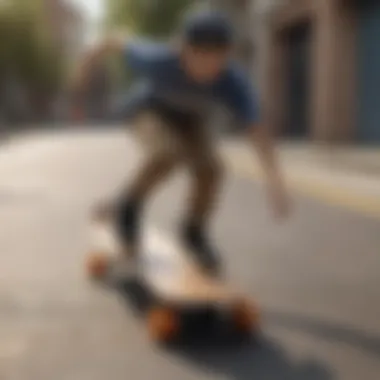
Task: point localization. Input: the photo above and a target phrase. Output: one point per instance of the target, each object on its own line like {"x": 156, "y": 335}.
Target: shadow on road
{"x": 267, "y": 360}
{"x": 260, "y": 359}
{"x": 263, "y": 361}
{"x": 325, "y": 330}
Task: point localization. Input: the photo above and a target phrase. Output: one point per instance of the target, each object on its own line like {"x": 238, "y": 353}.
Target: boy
{"x": 170, "y": 108}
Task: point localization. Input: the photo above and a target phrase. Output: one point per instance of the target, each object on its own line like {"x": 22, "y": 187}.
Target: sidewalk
{"x": 347, "y": 177}
{"x": 355, "y": 160}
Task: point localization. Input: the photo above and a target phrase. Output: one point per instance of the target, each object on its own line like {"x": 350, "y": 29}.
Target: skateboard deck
{"x": 176, "y": 282}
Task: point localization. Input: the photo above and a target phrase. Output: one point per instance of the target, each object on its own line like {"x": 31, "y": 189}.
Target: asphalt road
{"x": 317, "y": 277}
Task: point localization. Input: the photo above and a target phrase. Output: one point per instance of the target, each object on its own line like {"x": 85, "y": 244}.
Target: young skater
{"x": 169, "y": 108}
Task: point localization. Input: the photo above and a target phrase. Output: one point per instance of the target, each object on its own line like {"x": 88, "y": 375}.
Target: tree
{"x": 27, "y": 53}
{"x": 153, "y": 18}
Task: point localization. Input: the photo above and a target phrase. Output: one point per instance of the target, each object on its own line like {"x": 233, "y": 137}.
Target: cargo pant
{"x": 170, "y": 139}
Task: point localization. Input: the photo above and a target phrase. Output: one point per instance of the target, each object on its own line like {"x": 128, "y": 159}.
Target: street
{"x": 316, "y": 277}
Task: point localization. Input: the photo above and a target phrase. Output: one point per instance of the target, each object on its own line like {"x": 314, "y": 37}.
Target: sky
{"x": 92, "y": 10}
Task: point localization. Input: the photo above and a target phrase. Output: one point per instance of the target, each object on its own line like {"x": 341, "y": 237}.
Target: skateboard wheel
{"x": 97, "y": 265}
{"x": 163, "y": 325}
{"x": 245, "y": 316}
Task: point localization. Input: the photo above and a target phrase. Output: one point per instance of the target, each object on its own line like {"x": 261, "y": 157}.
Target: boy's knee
{"x": 156, "y": 137}
{"x": 210, "y": 171}
{"x": 160, "y": 164}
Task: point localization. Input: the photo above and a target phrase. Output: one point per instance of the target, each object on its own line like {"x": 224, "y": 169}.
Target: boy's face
{"x": 204, "y": 65}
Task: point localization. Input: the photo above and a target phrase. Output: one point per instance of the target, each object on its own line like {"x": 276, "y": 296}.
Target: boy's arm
{"x": 110, "y": 45}
{"x": 243, "y": 99}
{"x": 262, "y": 141}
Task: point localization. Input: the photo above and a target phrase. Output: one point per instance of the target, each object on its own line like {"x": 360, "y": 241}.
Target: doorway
{"x": 298, "y": 82}
{"x": 369, "y": 71}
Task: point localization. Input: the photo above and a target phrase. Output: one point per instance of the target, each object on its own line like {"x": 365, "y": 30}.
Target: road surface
{"x": 317, "y": 277}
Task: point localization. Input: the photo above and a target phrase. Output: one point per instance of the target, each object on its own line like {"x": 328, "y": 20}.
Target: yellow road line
{"x": 320, "y": 190}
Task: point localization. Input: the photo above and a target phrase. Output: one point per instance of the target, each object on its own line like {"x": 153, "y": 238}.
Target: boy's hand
{"x": 281, "y": 203}
{"x": 76, "y": 105}
{"x": 77, "y": 113}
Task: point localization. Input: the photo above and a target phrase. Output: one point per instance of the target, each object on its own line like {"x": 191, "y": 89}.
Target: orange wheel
{"x": 163, "y": 324}
{"x": 97, "y": 265}
{"x": 245, "y": 316}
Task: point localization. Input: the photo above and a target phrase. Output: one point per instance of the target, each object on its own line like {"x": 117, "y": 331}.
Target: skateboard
{"x": 181, "y": 295}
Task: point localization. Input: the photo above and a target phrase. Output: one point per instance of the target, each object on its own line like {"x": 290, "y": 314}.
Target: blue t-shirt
{"x": 158, "y": 67}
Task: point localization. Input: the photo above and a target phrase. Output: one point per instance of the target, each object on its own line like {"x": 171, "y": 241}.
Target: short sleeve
{"x": 141, "y": 56}
{"x": 240, "y": 95}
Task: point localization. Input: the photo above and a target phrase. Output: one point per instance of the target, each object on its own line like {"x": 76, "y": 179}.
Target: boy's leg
{"x": 206, "y": 176}
{"x": 206, "y": 172}
{"x": 161, "y": 157}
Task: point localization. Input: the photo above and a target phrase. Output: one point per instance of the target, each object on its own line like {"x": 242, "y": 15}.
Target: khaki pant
{"x": 169, "y": 142}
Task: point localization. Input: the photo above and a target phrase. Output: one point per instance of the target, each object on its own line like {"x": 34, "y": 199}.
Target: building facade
{"x": 319, "y": 65}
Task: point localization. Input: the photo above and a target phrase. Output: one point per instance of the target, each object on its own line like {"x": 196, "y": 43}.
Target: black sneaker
{"x": 127, "y": 224}
{"x": 200, "y": 247}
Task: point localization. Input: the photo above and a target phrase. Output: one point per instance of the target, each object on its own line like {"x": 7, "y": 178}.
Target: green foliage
{"x": 156, "y": 19}
{"x": 153, "y": 18}
{"x": 27, "y": 52}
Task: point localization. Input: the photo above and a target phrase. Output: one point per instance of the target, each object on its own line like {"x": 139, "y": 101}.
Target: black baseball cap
{"x": 209, "y": 29}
